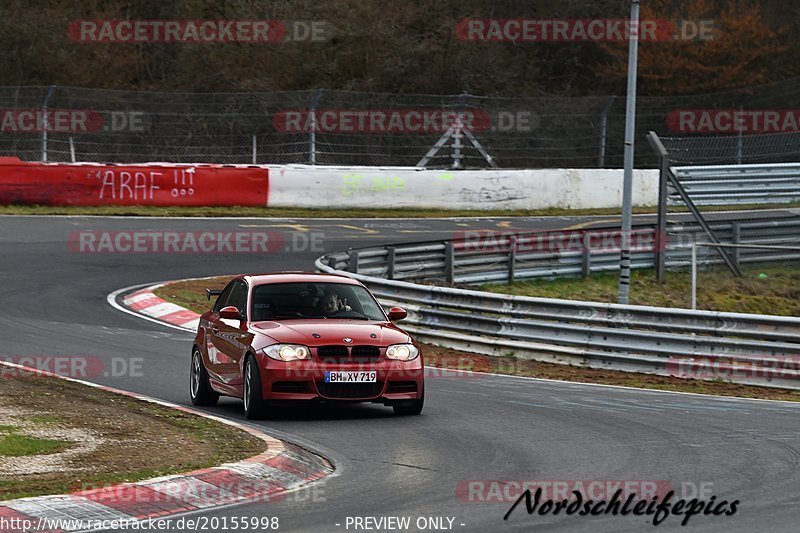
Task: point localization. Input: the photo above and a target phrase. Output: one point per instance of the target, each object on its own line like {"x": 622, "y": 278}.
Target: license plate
{"x": 350, "y": 377}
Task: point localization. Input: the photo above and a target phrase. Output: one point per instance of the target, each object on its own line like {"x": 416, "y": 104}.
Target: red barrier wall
{"x": 88, "y": 184}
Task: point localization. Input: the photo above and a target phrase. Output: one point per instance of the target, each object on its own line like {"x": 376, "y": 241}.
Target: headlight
{"x": 287, "y": 352}
{"x": 402, "y": 352}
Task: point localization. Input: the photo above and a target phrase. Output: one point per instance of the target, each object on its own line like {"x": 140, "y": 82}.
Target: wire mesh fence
{"x": 358, "y": 128}
{"x": 734, "y": 149}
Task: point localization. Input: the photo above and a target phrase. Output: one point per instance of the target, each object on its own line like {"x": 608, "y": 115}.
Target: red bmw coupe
{"x": 291, "y": 337}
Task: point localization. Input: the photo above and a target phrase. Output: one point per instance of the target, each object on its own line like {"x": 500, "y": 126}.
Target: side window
{"x": 238, "y": 296}
{"x": 222, "y": 298}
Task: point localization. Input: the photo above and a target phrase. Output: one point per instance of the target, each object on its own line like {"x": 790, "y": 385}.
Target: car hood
{"x": 332, "y": 331}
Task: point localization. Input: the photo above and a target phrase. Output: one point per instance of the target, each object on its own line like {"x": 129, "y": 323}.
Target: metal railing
{"x": 738, "y": 184}
{"x": 484, "y": 257}
{"x": 743, "y": 348}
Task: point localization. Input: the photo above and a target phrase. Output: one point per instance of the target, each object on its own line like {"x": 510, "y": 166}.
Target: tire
{"x": 254, "y": 405}
{"x": 199, "y": 389}
{"x": 410, "y": 409}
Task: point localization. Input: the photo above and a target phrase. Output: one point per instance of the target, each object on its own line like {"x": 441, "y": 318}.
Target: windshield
{"x": 280, "y": 301}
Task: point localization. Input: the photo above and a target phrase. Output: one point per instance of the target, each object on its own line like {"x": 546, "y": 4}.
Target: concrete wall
{"x": 317, "y": 186}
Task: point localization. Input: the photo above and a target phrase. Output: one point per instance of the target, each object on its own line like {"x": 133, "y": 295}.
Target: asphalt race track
{"x": 53, "y": 302}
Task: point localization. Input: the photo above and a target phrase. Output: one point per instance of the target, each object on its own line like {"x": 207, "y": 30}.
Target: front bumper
{"x": 396, "y": 381}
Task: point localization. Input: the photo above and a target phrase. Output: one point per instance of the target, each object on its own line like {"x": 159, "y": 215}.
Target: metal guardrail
{"x": 483, "y": 257}
{"x": 738, "y": 184}
{"x": 743, "y": 348}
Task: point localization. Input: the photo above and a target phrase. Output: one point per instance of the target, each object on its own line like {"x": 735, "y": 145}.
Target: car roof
{"x": 298, "y": 277}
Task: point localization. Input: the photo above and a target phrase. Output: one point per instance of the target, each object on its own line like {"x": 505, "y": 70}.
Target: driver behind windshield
{"x": 331, "y": 303}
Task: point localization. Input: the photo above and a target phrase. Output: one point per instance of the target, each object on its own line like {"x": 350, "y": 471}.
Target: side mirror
{"x": 397, "y": 313}
{"x": 230, "y": 311}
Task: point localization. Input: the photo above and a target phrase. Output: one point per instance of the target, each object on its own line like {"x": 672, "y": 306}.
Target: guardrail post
{"x": 586, "y": 256}
{"x": 694, "y": 275}
{"x": 512, "y": 257}
{"x": 736, "y": 232}
{"x": 353, "y": 260}
{"x": 449, "y": 262}
{"x": 390, "y": 259}
{"x": 660, "y": 255}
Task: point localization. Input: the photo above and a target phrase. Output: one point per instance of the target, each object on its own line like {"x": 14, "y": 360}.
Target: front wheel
{"x": 199, "y": 388}
{"x": 253, "y": 396}
{"x": 410, "y": 409}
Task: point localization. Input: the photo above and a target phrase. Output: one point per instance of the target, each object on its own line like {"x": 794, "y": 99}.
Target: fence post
{"x": 661, "y": 226}
{"x": 390, "y": 261}
{"x": 736, "y": 232}
{"x": 72, "y": 149}
{"x": 739, "y": 138}
{"x": 512, "y": 257}
{"x": 601, "y": 163}
{"x": 660, "y": 255}
{"x": 449, "y": 262}
{"x": 586, "y": 257}
{"x": 312, "y": 138}
{"x": 353, "y": 260}
{"x": 255, "y": 149}
{"x": 45, "y": 122}
{"x": 694, "y": 274}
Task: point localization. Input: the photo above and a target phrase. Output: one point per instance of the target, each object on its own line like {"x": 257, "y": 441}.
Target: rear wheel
{"x": 199, "y": 388}
{"x": 254, "y": 406}
{"x": 410, "y": 409}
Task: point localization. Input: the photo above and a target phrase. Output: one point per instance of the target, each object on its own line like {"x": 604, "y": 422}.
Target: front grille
{"x": 349, "y": 390}
{"x": 365, "y": 354}
{"x": 345, "y": 354}
{"x": 332, "y": 351}
{"x": 333, "y": 354}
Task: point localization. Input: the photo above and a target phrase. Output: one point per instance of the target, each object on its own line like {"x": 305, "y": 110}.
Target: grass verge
{"x": 191, "y": 294}
{"x": 15, "y": 445}
{"x": 58, "y": 436}
{"x": 769, "y": 289}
